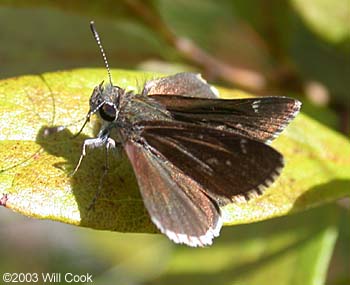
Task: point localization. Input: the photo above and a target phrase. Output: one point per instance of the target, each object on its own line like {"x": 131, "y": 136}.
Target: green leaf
{"x": 329, "y": 19}
{"x": 34, "y": 170}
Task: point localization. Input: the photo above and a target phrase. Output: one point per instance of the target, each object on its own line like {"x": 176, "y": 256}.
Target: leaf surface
{"x": 35, "y": 169}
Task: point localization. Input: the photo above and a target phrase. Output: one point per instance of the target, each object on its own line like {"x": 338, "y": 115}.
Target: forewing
{"x": 227, "y": 166}
{"x": 176, "y": 204}
{"x": 262, "y": 118}
{"x": 184, "y": 84}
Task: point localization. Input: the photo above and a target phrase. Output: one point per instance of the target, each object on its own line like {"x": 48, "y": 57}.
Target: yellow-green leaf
{"x": 329, "y": 19}
{"x": 35, "y": 169}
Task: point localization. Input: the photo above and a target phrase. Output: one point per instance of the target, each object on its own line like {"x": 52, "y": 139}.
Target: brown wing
{"x": 257, "y": 118}
{"x": 176, "y": 203}
{"x": 184, "y": 84}
{"x": 226, "y": 166}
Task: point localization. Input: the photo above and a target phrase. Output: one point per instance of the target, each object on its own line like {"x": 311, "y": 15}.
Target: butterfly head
{"x": 104, "y": 101}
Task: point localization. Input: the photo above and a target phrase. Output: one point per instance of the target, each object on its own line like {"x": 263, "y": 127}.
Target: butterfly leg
{"x": 109, "y": 145}
{"x": 100, "y": 141}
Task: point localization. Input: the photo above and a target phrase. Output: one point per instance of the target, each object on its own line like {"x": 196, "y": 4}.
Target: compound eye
{"x": 108, "y": 112}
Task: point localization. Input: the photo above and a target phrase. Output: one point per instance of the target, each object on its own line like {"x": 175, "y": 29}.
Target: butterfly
{"x": 191, "y": 152}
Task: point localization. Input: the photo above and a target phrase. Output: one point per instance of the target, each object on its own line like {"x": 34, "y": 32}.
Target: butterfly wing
{"x": 177, "y": 204}
{"x": 261, "y": 119}
{"x": 183, "y": 84}
{"x": 211, "y": 154}
{"x": 226, "y": 166}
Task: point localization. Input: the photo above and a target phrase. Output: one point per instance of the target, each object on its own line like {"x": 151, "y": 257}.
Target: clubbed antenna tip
{"x": 98, "y": 41}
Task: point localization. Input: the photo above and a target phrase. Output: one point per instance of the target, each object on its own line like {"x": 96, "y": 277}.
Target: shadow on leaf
{"x": 119, "y": 206}
{"x": 320, "y": 194}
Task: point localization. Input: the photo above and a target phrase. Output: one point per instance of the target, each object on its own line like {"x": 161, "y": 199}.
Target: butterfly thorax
{"x": 135, "y": 108}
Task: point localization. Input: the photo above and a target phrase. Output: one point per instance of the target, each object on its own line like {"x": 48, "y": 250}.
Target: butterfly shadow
{"x": 119, "y": 205}
{"x": 320, "y": 194}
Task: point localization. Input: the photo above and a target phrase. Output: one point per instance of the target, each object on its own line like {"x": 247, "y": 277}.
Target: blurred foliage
{"x": 329, "y": 20}
{"x": 279, "y": 47}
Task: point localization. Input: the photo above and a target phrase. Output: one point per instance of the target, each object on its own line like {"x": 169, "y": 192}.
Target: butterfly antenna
{"x": 98, "y": 41}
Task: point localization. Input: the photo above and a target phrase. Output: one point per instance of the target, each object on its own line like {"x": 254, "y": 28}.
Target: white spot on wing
{"x": 243, "y": 147}
{"x": 212, "y": 161}
{"x": 256, "y": 105}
